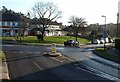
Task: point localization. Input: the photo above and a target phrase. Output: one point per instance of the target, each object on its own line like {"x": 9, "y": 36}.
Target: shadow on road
{"x": 61, "y": 73}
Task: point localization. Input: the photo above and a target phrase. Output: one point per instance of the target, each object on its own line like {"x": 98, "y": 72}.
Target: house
{"x": 11, "y": 23}
{"x": 55, "y": 29}
{"x": 52, "y": 29}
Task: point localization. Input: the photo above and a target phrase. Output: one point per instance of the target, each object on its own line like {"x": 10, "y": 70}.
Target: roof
{"x": 7, "y": 16}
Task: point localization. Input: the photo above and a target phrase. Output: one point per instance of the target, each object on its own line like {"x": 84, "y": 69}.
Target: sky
{"x": 91, "y": 10}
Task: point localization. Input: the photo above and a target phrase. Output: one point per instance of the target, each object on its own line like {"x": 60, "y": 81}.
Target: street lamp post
{"x": 117, "y": 25}
{"x": 104, "y": 30}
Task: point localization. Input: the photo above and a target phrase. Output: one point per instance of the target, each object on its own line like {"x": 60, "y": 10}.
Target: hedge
{"x": 117, "y": 44}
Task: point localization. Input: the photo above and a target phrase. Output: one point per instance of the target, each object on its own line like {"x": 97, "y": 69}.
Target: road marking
{"x": 104, "y": 74}
{"x": 15, "y": 52}
{"x": 76, "y": 64}
{"x": 57, "y": 60}
{"x": 21, "y": 52}
{"x": 99, "y": 73}
{"x": 37, "y": 52}
{"x": 29, "y": 52}
{"x": 37, "y": 65}
{"x": 26, "y": 52}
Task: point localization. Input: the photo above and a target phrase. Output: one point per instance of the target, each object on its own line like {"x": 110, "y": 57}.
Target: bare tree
{"x": 46, "y": 11}
{"x": 24, "y": 22}
{"x": 77, "y": 24}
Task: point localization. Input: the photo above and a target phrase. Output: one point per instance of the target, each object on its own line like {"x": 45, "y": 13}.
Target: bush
{"x": 117, "y": 44}
{"x": 103, "y": 53}
{"x": 2, "y": 55}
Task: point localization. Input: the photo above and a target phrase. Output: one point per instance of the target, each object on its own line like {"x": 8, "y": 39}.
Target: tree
{"x": 45, "y": 11}
{"x": 111, "y": 29}
{"x": 24, "y": 24}
{"x": 4, "y": 9}
{"x": 77, "y": 24}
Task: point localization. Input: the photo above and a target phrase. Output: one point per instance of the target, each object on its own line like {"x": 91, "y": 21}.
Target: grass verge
{"x": 2, "y": 56}
{"x": 103, "y": 53}
{"x": 47, "y": 39}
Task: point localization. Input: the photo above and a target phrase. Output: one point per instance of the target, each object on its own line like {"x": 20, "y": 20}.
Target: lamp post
{"x": 117, "y": 25}
{"x": 104, "y": 31}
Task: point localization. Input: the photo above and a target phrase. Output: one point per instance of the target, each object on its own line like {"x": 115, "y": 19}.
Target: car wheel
{"x": 64, "y": 45}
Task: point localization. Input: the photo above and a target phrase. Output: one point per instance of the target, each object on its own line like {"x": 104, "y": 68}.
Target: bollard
{"x": 53, "y": 48}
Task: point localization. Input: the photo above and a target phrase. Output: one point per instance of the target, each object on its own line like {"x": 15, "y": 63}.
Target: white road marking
{"x": 37, "y": 65}
{"x": 101, "y": 74}
{"x": 15, "y": 52}
{"x": 37, "y": 52}
{"x": 26, "y": 52}
{"x": 21, "y": 52}
{"x": 76, "y": 64}
{"x": 29, "y": 52}
{"x": 57, "y": 60}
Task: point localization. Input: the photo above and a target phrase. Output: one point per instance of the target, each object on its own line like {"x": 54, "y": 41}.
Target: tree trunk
{"x": 76, "y": 37}
{"x": 42, "y": 38}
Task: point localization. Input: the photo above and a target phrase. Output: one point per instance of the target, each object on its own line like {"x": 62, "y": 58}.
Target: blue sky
{"x": 91, "y": 10}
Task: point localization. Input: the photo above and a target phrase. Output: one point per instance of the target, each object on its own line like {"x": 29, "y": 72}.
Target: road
{"x": 92, "y": 62}
{"x": 29, "y": 63}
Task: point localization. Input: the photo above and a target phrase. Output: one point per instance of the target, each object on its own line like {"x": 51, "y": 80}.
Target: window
{"x": 3, "y": 23}
{"x": 13, "y": 24}
{"x": 16, "y": 24}
{"x": 8, "y": 23}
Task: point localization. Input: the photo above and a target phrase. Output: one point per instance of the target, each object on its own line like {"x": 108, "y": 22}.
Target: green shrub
{"x": 2, "y": 55}
{"x": 103, "y": 53}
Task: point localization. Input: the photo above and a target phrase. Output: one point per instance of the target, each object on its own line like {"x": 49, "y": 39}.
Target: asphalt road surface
{"x": 30, "y": 63}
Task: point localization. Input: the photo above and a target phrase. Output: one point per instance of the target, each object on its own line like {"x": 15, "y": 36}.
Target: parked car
{"x": 102, "y": 40}
{"x": 107, "y": 40}
{"x": 110, "y": 40}
{"x": 71, "y": 43}
{"x": 95, "y": 41}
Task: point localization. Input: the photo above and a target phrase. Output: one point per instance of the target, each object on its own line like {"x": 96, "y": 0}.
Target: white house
{"x": 8, "y": 28}
{"x": 54, "y": 29}
{"x": 9, "y": 24}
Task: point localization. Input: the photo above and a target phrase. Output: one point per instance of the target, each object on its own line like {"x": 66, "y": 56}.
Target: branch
{"x": 57, "y": 16}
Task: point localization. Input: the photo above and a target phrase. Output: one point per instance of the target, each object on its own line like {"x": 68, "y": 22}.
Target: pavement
{"x": 5, "y": 74}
